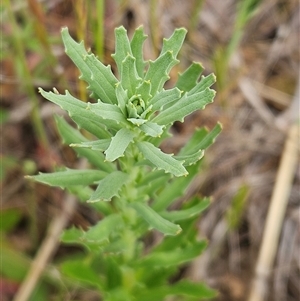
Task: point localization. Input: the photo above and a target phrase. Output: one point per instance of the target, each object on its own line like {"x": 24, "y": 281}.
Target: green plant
{"x": 136, "y": 182}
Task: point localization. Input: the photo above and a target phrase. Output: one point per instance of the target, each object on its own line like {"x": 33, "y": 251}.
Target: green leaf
{"x": 144, "y": 90}
{"x": 174, "y": 189}
{"x": 175, "y": 42}
{"x": 94, "y": 125}
{"x": 71, "y": 135}
{"x": 175, "y": 258}
{"x": 122, "y": 98}
{"x": 102, "y": 230}
{"x": 192, "y": 144}
{"x": 79, "y": 271}
{"x": 99, "y": 77}
{"x": 151, "y": 129}
{"x": 188, "y": 79}
{"x": 190, "y": 159}
{"x": 69, "y": 177}
{"x": 235, "y": 211}
{"x": 184, "y": 214}
{"x": 136, "y": 45}
{"x": 210, "y": 137}
{"x": 163, "y": 98}
{"x": 137, "y": 121}
{"x": 129, "y": 76}
{"x": 201, "y": 139}
{"x": 122, "y": 47}
{"x": 98, "y": 145}
{"x": 205, "y": 82}
{"x": 118, "y": 144}
{"x": 109, "y": 186}
{"x": 81, "y": 111}
{"x": 72, "y": 235}
{"x": 155, "y": 220}
{"x": 193, "y": 289}
{"x": 107, "y": 111}
{"x": 84, "y": 192}
{"x": 185, "y": 106}
{"x": 158, "y": 71}
{"x": 161, "y": 160}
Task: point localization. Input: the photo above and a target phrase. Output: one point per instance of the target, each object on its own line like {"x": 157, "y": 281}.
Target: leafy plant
{"x": 136, "y": 182}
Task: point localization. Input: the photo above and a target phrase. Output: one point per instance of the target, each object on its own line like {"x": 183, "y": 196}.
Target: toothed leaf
{"x": 71, "y": 135}
{"x": 129, "y": 77}
{"x": 158, "y": 71}
{"x": 144, "y": 90}
{"x": 70, "y": 177}
{"x": 161, "y": 160}
{"x": 151, "y": 129}
{"x": 191, "y": 158}
{"x": 99, "y": 77}
{"x": 122, "y": 47}
{"x": 163, "y": 98}
{"x": 137, "y": 49}
{"x": 119, "y": 144}
{"x": 185, "y": 106}
{"x": 205, "y": 82}
{"x": 109, "y": 186}
{"x": 174, "y": 43}
{"x": 107, "y": 111}
{"x": 188, "y": 79}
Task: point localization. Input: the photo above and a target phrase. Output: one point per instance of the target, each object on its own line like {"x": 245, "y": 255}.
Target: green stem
{"x": 27, "y": 80}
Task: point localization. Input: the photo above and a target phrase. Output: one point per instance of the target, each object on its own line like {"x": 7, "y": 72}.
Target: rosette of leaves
{"x": 128, "y": 119}
{"x": 135, "y": 109}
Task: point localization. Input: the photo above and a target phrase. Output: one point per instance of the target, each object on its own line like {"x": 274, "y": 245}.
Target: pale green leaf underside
{"x": 70, "y": 177}
{"x": 109, "y": 186}
{"x": 155, "y": 220}
{"x": 118, "y": 144}
{"x": 161, "y": 160}
{"x": 99, "y": 77}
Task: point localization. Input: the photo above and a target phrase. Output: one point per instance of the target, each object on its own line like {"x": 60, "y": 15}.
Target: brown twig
{"x": 275, "y": 216}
